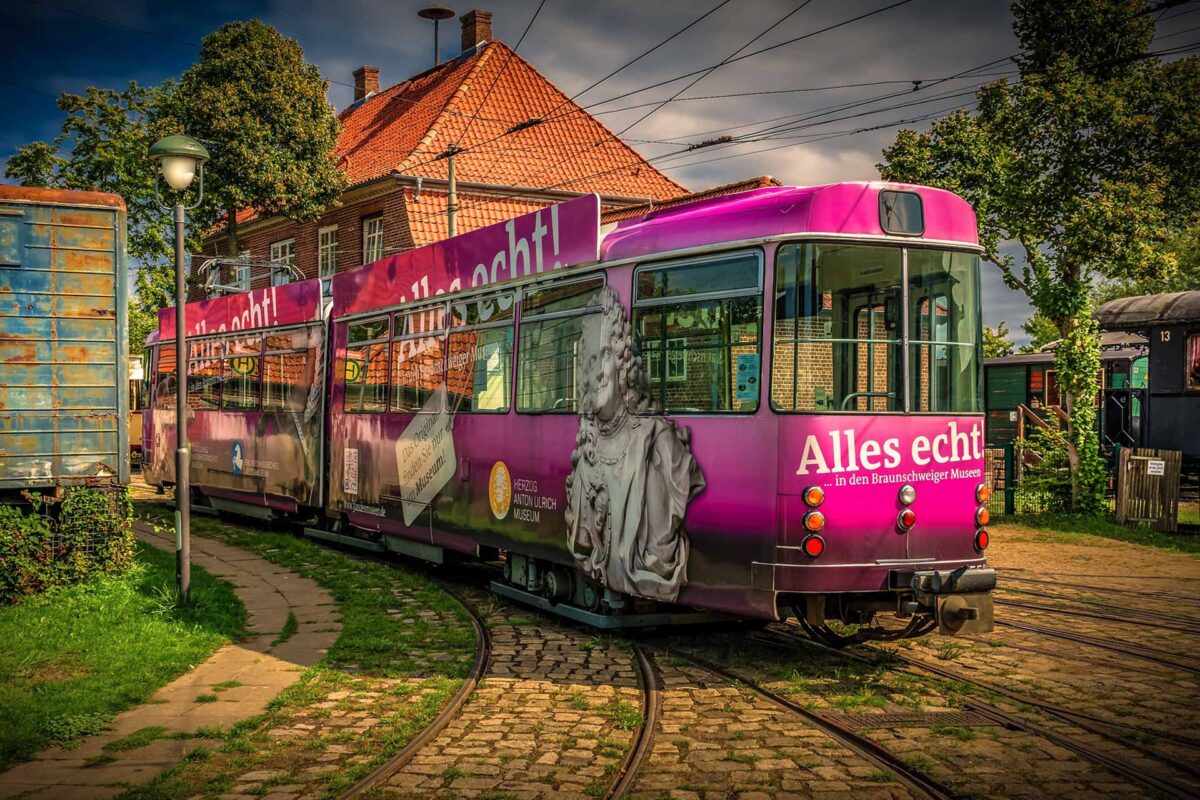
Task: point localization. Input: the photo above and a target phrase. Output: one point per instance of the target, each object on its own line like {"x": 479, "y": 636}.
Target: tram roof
{"x": 841, "y": 209}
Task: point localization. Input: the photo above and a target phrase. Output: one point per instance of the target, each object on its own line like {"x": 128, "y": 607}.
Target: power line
{"x": 749, "y": 55}
{"x": 704, "y": 75}
{"x": 496, "y": 79}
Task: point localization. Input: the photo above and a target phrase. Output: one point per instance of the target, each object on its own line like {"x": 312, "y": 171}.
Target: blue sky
{"x": 51, "y": 46}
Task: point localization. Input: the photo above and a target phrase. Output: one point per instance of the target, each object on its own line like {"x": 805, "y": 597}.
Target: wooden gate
{"x": 1148, "y": 487}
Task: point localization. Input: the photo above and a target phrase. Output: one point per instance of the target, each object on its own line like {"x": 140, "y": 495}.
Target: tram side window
{"x": 418, "y": 356}
{"x": 552, "y": 318}
{"x": 945, "y": 369}
{"x": 164, "y": 378}
{"x": 204, "y": 377}
{"x": 366, "y": 367}
{"x": 479, "y": 354}
{"x": 241, "y": 374}
{"x": 836, "y": 343}
{"x": 698, "y": 327}
{"x": 287, "y": 370}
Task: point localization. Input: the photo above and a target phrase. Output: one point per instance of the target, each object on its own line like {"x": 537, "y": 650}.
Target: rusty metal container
{"x": 64, "y": 368}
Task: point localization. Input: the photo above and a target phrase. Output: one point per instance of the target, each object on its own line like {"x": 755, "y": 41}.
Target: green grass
{"x": 75, "y": 657}
{"x": 290, "y": 626}
{"x": 1066, "y": 528}
{"x": 373, "y": 644}
{"x": 139, "y": 738}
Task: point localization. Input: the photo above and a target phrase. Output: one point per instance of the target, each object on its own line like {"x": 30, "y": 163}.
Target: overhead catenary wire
{"x": 705, "y": 74}
{"x": 499, "y": 74}
{"x": 527, "y": 193}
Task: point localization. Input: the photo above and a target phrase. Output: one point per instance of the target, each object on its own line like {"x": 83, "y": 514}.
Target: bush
{"x": 1049, "y": 480}
{"x": 91, "y": 534}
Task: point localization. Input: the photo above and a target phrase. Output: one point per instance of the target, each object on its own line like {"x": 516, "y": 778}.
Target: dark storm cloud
{"x": 47, "y": 50}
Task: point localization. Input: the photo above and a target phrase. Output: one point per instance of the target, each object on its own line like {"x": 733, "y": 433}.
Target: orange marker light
{"x": 814, "y": 496}
{"x": 813, "y": 546}
{"x": 981, "y": 540}
{"x": 982, "y": 493}
{"x": 906, "y": 519}
{"x": 814, "y": 521}
{"x": 983, "y": 516}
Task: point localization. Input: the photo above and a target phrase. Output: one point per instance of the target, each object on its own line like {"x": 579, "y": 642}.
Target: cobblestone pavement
{"x": 718, "y": 740}
{"x": 553, "y": 717}
{"x": 235, "y": 683}
{"x": 558, "y": 708}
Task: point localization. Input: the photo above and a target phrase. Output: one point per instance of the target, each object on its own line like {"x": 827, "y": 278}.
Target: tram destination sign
{"x": 551, "y": 238}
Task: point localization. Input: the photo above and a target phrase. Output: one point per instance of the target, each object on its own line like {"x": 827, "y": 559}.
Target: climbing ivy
{"x": 90, "y": 532}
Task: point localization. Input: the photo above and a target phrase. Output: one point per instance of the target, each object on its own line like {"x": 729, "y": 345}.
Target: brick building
{"x": 525, "y": 146}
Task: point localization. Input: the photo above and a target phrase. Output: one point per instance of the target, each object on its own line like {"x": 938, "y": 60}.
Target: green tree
{"x": 102, "y": 146}
{"x": 1041, "y": 332}
{"x": 1087, "y": 164}
{"x": 995, "y": 341}
{"x": 1185, "y": 245}
{"x": 263, "y": 113}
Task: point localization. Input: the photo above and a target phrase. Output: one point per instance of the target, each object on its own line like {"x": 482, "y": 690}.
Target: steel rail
{"x": 1187, "y": 598}
{"x": 483, "y": 653}
{"x": 1095, "y": 615}
{"x": 914, "y": 779}
{"x": 1143, "y": 652}
{"x": 643, "y": 738}
{"x": 1127, "y": 610}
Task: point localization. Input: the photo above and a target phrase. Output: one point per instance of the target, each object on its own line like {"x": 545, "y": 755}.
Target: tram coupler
{"x": 960, "y": 600}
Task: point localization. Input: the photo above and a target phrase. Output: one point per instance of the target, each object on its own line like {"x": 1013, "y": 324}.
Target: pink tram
{"x": 766, "y": 404}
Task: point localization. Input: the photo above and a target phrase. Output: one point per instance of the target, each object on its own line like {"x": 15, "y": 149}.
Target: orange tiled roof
{"x": 632, "y": 212}
{"x": 402, "y": 128}
{"x": 427, "y": 218}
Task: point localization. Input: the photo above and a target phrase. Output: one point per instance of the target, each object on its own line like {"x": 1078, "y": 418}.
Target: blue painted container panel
{"x": 63, "y": 364}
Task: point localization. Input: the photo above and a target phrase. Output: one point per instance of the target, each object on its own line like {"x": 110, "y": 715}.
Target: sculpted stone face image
{"x": 632, "y": 475}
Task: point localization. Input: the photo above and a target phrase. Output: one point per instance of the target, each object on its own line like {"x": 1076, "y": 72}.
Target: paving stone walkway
{"x": 243, "y": 677}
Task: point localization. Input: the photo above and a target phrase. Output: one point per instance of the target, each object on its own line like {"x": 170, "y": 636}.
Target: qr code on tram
{"x": 350, "y": 471}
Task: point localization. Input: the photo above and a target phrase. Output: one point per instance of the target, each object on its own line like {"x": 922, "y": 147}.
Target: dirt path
{"x": 236, "y": 683}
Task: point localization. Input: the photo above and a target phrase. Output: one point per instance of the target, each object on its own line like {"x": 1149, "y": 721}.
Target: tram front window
{"x": 838, "y": 331}
{"x": 837, "y": 328}
{"x": 944, "y": 331}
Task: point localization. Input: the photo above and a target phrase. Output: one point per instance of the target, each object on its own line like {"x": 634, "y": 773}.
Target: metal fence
{"x": 1018, "y": 487}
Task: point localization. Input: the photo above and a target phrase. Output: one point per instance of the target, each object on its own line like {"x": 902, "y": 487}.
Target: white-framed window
{"x": 283, "y": 253}
{"x": 372, "y": 238}
{"x": 327, "y": 247}
{"x": 676, "y": 361}
{"x": 241, "y": 278}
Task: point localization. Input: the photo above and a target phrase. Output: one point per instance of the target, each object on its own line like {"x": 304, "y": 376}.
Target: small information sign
{"x": 1156, "y": 466}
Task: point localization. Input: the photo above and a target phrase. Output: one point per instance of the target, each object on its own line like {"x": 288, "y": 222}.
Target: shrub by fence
{"x": 91, "y": 533}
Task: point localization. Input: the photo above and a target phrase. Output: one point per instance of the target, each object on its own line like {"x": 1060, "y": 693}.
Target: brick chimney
{"x": 366, "y": 81}
{"x": 476, "y": 28}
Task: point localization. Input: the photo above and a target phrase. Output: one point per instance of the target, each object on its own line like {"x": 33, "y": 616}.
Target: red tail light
{"x": 813, "y": 545}
{"x": 981, "y": 540}
{"x": 906, "y": 519}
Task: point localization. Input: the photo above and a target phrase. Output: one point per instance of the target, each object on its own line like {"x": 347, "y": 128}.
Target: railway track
{"x": 1147, "y": 622}
{"x": 483, "y": 652}
{"x": 1150, "y": 617}
{"x": 1142, "y": 652}
{"x": 1156, "y": 595}
{"x": 1104, "y": 728}
{"x": 643, "y": 739}
{"x": 914, "y": 779}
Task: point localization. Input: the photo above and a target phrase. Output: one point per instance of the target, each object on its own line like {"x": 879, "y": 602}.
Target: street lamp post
{"x": 179, "y": 158}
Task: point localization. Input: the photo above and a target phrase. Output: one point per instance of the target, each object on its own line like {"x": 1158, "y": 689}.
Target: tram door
{"x": 867, "y": 332}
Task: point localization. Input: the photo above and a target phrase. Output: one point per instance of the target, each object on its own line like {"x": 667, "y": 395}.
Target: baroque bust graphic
{"x": 632, "y": 471}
